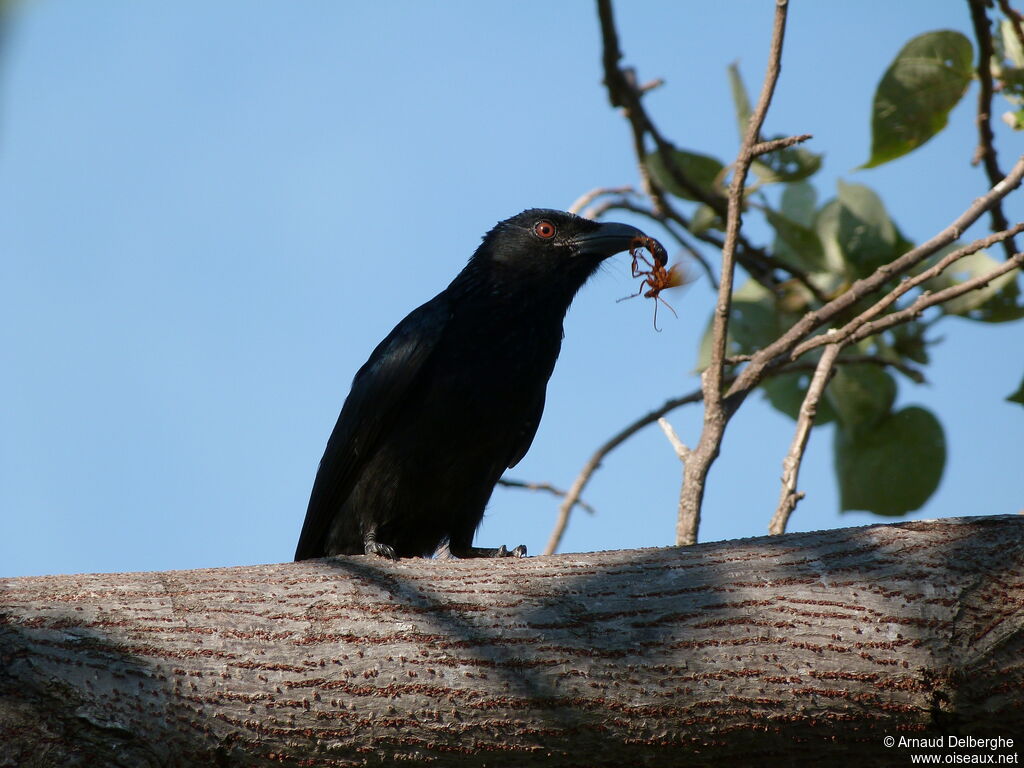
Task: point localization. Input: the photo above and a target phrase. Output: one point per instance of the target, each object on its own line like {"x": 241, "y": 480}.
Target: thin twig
{"x": 986, "y": 152}
{"x": 764, "y": 147}
{"x": 779, "y": 350}
{"x": 586, "y": 199}
{"x": 907, "y": 370}
{"x": 927, "y": 300}
{"x": 622, "y": 204}
{"x": 906, "y": 285}
{"x": 572, "y": 497}
{"x": 597, "y": 458}
{"x": 677, "y": 445}
{"x": 883, "y": 362}
{"x": 789, "y": 496}
{"x": 734, "y": 219}
{"x": 547, "y": 488}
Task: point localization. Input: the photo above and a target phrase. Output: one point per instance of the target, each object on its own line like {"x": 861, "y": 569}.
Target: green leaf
{"x": 786, "y": 394}
{"x": 862, "y": 395}
{"x": 908, "y": 341}
{"x": 1003, "y": 307}
{"x": 856, "y": 232}
{"x": 1018, "y": 396}
{"x": 1008, "y": 71}
{"x": 799, "y": 203}
{"x": 892, "y": 468}
{"x": 740, "y": 99}
{"x": 826, "y": 225}
{"x": 866, "y": 235}
{"x": 1012, "y": 48}
{"x": 703, "y": 171}
{"x": 756, "y": 319}
{"x": 795, "y": 243}
{"x": 915, "y": 95}
{"x": 705, "y": 218}
{"x": 704, "y": 351}
{"x": 972, "y": 305}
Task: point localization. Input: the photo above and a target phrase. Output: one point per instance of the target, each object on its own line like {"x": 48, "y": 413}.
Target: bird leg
{"x": 465, "y": 552}
{"x": 373, "y": 547}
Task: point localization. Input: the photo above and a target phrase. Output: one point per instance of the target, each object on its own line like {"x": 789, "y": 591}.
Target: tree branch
{"x": 764, "y": 147}
{"x": 677, "y": 445}
{"x": 906, "y": 285}
{"x": 986, "y": 152}
{"x": 926, "y": 300}
{"x": 1015, "y": 18}
{"x": 779, "y": 350}
{"x": 594, "y": 462}
{"x": 546, "y": 488}
{"x": 586, "y": 199}
{"x": 789, "y": 497}
{"x": 776, "y": 650}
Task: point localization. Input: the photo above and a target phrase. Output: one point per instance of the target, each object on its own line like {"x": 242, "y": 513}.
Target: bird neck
{"x": 511, "y": 289}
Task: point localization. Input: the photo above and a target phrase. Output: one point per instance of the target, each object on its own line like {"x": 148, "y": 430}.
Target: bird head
{"x": 544, "y": 247}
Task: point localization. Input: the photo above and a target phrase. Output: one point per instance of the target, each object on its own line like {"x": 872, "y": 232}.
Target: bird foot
{"x": 372, "y": 547}
{"x": 501, "y": 551}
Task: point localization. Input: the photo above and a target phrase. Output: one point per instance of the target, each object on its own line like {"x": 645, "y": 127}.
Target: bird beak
{"x": 607, "y": 240}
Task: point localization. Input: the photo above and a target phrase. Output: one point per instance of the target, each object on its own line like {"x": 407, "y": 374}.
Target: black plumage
{"x": 453, "y": 396}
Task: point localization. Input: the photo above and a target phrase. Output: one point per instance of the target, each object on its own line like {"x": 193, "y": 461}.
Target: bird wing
{"x": 371, "y": 409}
{"x": 527, "y": 432}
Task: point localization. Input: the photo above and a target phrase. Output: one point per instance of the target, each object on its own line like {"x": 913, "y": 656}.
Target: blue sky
{"x": 211, "y": 213}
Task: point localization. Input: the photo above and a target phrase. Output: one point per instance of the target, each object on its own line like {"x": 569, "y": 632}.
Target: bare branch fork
{"x": 571, "y": 498}
{"x": 716, "y": 410}
{"x": 926, "y": 300}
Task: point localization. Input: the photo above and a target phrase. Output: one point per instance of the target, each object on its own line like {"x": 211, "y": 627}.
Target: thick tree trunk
{"x": 785, "y": 650}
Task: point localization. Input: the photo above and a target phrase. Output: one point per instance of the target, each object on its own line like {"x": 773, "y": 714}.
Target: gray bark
{"x": 782, "y": 650}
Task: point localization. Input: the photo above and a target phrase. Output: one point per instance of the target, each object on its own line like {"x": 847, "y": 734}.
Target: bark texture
{"x": 782, "y": 650}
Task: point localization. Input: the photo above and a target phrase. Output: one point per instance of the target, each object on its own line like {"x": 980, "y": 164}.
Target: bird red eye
{"x": 544, "y": 229}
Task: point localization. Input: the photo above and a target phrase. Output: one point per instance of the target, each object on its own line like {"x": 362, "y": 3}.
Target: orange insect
{"x": 655, "y": 277}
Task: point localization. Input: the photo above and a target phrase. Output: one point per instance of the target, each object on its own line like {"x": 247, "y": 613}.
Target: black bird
{"x": 454, "y": 395}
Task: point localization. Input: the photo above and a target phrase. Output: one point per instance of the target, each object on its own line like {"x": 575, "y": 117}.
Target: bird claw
{"x": 372, "y": 547}
{"x": 501, "y": 551}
